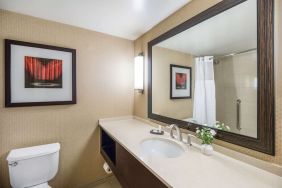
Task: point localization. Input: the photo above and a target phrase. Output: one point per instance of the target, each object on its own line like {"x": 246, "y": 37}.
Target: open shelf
{"x": 108, "y": 146}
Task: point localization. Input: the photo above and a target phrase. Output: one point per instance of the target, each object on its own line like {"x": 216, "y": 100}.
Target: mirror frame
{"x": 265, "y": 72}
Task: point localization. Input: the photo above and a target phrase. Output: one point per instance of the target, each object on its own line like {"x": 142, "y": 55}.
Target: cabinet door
{"x": 135, "y": 174}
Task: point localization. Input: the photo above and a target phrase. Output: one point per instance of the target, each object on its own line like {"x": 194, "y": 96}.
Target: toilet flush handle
{"x": 13, "y": 164}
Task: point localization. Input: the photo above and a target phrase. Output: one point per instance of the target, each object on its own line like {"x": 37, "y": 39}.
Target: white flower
{"x": 198, "y": 131}
{"x": 213, "y": 132}
{"x": 227, "y": 127}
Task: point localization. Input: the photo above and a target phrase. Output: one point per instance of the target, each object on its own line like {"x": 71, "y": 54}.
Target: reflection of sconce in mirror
{"x": 139, "y": 73}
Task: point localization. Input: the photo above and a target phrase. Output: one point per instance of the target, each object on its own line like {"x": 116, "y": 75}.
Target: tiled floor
{"x": 111, "y": 182}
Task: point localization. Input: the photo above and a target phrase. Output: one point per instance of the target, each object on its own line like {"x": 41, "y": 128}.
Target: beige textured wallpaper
{"x": 162, "y": 104}
{"x": 104, "y": 89}
{"x": 188, "y": 11}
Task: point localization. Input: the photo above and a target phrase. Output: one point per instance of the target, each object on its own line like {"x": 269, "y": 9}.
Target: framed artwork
{"x": 38, "y": 74}
{"x": 180, "y": 82}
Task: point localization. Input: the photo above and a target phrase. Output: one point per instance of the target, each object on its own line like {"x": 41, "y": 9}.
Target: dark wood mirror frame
{"x": 265, "y": 96}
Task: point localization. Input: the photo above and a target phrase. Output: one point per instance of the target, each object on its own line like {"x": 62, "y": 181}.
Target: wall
{"x": 188, "y": 11}
{"x": 104, "y": 89}
{"x": 162, "y": 104}
{"x": 236, "y": 78}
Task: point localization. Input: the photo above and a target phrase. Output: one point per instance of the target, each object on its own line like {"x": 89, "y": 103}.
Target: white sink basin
{"x": 161, "y": 147}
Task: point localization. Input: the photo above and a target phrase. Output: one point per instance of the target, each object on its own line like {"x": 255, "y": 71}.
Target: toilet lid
{"x": 43, "y": 185}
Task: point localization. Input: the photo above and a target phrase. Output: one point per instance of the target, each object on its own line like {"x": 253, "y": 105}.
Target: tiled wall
{"x": 236, "y": 79}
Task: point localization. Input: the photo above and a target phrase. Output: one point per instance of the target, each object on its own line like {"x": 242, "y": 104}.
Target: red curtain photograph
{"x": 181, "y": 81}
{"x": 43, "y": 72}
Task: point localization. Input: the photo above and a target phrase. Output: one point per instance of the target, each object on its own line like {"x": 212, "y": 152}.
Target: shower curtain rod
{"x": 231, "y": 54}
{"x": 236, "y": 53}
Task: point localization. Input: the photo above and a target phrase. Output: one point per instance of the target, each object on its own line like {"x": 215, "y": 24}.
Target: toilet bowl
{"x": 33, "y": 167}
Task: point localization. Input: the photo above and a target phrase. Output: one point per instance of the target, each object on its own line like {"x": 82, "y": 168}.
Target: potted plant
{"x": 207, "y": 136}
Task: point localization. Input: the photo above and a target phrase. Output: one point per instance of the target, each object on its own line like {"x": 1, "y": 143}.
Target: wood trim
{"x": 8, "y": 102}
{"x": 265, "y": 138}
{"x": 134, "y": 172}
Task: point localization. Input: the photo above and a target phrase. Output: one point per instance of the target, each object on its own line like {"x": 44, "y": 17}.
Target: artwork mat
{"x": 180, "y": 93}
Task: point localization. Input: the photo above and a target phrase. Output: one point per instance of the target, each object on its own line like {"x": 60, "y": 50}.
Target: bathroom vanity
{"x": 134, "y": 166}
{"x": 129, "y": 171}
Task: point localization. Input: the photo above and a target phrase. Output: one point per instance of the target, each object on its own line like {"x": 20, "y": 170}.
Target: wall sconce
{"x": 139, "y": 73}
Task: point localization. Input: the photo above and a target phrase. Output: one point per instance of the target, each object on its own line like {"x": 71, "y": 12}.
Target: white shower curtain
{"x": 204, "y": 108}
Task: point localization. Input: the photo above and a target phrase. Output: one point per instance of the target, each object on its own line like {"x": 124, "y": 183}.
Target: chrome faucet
{"x": 178, "y": 132}
{"x": 179, "y": 135}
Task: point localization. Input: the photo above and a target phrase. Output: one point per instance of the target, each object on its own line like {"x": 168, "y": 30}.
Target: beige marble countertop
{"x": 192, "y": 169}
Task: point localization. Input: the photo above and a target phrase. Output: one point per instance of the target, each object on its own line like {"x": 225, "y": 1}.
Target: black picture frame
{"x": 265, "y": 141}
{"x": 8, "y": 83}
{"x": 189, "y": 82}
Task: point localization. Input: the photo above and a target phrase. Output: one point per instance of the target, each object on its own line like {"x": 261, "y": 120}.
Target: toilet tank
{"x": 33, "y": 165}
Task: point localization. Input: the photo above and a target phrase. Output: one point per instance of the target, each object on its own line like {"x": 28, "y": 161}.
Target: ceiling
{"x": 232, "y": 31}
{"x": 123, "y": 18}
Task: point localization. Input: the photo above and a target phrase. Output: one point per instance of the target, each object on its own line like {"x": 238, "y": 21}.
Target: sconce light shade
{"x": 139, "y": 73}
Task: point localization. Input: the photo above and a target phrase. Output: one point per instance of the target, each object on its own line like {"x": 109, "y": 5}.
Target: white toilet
{"x": 33, "y": 166}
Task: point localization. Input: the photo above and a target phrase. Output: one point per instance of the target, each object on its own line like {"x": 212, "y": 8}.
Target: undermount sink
{"x": 161, "y": 147}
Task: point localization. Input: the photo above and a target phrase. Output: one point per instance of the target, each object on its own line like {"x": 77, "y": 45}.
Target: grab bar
{"x": 238, "y": 125}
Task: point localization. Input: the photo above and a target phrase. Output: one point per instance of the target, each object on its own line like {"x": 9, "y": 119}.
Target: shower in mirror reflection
{"x": 225, "y": 91}
{"x": 236, "y": 80}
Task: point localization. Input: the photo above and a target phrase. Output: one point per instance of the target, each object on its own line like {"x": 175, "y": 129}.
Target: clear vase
{"x": 207, "y": 149}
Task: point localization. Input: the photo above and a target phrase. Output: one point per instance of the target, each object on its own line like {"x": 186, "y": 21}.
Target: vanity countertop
{"x": 192, "y": 169}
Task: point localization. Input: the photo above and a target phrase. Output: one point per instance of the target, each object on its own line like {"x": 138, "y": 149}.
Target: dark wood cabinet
{"x": 128, "y": 170}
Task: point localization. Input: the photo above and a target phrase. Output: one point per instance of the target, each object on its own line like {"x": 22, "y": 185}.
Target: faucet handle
{"x": 189, "y": 142}
{"x": 171, "y": 126}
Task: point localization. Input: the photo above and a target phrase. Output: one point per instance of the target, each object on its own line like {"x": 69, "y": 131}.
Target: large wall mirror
{"x": 216, "y": 70}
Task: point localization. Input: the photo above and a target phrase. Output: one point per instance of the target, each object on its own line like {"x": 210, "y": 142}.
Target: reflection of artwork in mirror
{"x": 180, "y": 78}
